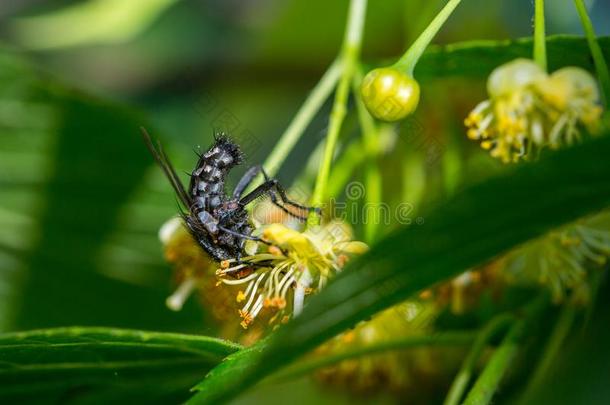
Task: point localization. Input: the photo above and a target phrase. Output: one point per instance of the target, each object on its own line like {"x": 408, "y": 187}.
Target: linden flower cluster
{"x": 417, "y": 371}
{"x": 293, "y": 265}
{"x": 561, "y": 259}
{"x": 528, "y": 107}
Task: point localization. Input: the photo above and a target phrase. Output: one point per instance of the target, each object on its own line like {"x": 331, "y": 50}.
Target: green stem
{"x": 560, "y": 332}
{"x": 372, "y": 175}
{"x": 601, "y": 67}
{"x": 463, "y": 376}
{"x": 489, "y": 380}
{"x": 539, "y": 35}
{"x": 373, "y": 207}
{"x": 349, "y": 59}
{"x": 456, "y": 338}
{"x": 301, "y": 120}
{"x": 408, "y": 61}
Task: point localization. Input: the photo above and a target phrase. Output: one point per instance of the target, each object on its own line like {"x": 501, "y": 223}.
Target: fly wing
{"x": 163, "y": 161}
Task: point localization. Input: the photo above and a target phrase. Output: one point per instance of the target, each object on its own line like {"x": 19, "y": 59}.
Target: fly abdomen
{"x": 208, "y": 177}
{"x": 208, "y": 221}
{"x": 203, "y": 187}
{"x": 208, "y": 201}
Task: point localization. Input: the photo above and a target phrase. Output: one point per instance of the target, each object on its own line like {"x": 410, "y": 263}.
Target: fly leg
{"x": 246, "y": 180}
{"x": 270, "y": 187}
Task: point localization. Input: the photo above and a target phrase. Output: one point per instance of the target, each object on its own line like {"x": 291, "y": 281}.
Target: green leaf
{"x": 76, "y": 214}
{"x": 479, "y": 58}
{"x": 474, "y": 226}
{"x": 93, "y": 363}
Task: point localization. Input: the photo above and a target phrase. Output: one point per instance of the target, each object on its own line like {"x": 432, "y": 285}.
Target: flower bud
{"x": 389, "y": 94}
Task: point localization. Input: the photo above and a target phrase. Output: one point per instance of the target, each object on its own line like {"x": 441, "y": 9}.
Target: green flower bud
{"x": 389, "y": 94}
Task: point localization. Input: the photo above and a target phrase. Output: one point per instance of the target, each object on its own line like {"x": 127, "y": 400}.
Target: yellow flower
{"x": 294, "y": 265}
{"x": 503, "y": 122}
{"x": 573, "y": 98}
{"x": 528, "y": 108}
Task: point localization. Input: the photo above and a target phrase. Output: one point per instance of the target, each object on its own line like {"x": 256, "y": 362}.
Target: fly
{"x": 220, "y": 222}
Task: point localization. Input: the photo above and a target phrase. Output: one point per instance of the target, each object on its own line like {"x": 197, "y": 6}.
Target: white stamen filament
{"x": 184, "y": 290}
{"x": 299, "y": 293}
{"x": 485, "y": 122}
{"x": 286, "y": 287}
{"x": 253, "y": 293}
{"x": 286, "y": 277}
{"x": 591, "y": 255}
{"x": 239, "y": 280}
{"x": 593, "y": 242}
{"x": 322, "y": 282}
{"x": 556, "y": 130}
{"x": 257, "y": 306}
{"x": 276, "y": 274}
{"x": 481, "y": 106}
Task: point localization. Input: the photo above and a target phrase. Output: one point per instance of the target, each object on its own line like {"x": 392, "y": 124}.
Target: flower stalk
{"x": 467, "y": 370}
{"x": 408, "y": 61}
{"x": 560, "y": 332}
{"x": 301, "y": 120}
{"x": 391, "y": 93}
{"x": 601, "y": 67}
{"x": 486, "y": 385}
{"x": 349, "y": 59}
{"x": 539, "y": 35}
{"x": 372, "y": 174}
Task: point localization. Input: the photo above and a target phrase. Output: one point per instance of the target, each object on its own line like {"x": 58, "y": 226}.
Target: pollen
{"x": 529, "y": 109}
{"x": 240, "y": 296}
{"x": 279, "y": 303}
{"x": 425, "y": 294}
{"x": 274, "y": 250}
{"x": 294, "y": 266}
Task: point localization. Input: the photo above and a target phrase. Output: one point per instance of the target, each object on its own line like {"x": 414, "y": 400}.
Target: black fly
{"x": 220, "y": 223}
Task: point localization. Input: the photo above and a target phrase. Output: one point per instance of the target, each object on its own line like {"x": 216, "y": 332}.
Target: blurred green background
{"x": 81, "y": 202}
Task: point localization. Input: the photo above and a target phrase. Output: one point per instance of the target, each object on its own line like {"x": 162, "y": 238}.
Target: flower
{"x": 276, "y": 276}
{"x": 563, "y": 260}
{"x": 528, "y": 108}
{"x": 416, "y": 372}
{"x": 294, "y": 265}
{"x": 573, "y": 96}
